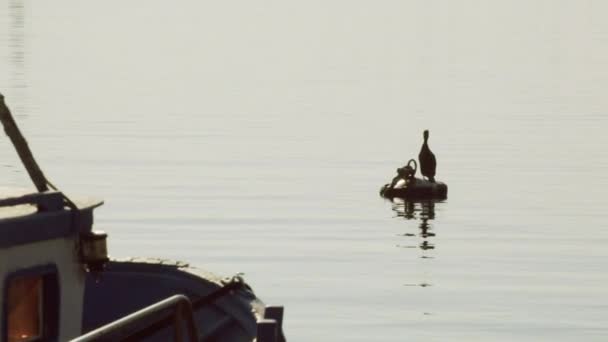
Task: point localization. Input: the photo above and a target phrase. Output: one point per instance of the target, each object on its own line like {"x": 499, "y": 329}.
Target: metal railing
{"x": 124, "y": 328}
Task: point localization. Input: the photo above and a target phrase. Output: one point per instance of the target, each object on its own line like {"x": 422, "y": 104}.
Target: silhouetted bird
{"x": 428, "y": 164}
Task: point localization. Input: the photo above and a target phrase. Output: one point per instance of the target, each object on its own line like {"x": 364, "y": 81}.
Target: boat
{"x": 59, "y": 284}
{"x": 407, "y": 186}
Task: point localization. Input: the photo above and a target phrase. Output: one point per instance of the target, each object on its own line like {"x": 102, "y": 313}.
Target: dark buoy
{"x": 428, "y": 163}
{"x": 417, "y": 189}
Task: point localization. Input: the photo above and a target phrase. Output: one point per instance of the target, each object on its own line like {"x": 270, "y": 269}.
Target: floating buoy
{"x": 416, "y": 188}
{"x": 405, "y": 185}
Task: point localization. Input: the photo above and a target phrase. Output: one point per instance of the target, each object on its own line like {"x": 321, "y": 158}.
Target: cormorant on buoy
{"x": 428, "y": 163}
{"x": 407, "y": 186}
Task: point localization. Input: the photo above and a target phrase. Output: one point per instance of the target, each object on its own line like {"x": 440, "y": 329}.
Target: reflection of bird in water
{"x": 428, "y": 210}
{"x": 425, "y": 211}
{"x": 424, "y": 228}
{"x": 426, "y": 245}
{"x": 403, "y": 208}
{"x": 428, "y": 163}
{"x": 428, "y": 213}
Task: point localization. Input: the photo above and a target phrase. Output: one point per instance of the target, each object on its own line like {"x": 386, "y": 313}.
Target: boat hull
{"x": 130, "y": 285}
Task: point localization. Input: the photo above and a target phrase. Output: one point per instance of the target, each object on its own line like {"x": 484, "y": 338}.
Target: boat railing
{"x": 124, "y": 328}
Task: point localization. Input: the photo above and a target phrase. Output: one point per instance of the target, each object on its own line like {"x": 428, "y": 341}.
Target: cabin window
{"x": 31, "y": 306}
{"x": 25, "y": 308}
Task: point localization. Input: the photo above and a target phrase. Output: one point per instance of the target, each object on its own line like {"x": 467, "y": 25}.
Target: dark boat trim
{"x": 50, "y": 222}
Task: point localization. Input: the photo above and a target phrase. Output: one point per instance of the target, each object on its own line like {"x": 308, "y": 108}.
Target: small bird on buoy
{"x": 428, "y": 163}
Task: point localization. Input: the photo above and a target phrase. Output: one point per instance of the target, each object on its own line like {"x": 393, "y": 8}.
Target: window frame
{"x": 51, "y": 300}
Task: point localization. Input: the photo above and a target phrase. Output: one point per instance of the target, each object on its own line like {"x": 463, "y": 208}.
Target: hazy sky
{"x": 481, "y": 48}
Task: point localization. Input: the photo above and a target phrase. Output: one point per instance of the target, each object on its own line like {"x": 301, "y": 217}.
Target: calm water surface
{"x": 253, "y": 137}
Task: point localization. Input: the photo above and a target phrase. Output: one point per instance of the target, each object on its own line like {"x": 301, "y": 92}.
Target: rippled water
{"x": 254, "y": 137}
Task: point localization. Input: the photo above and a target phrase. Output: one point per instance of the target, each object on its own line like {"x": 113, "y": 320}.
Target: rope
{"x": 25, "y": 154}
{"x": 23, "y": 150}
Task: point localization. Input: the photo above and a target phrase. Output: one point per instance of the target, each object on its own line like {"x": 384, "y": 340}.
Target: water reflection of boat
{"x": 58, "y": 283}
